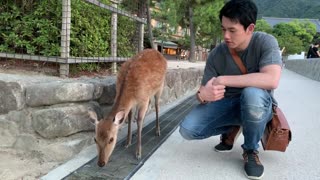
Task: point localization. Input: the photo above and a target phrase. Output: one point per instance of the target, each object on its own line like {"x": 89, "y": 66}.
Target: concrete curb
{"x": 65, "y": 169}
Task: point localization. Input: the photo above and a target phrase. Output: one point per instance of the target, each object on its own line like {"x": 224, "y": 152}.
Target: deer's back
{"x": 143, "y": 75}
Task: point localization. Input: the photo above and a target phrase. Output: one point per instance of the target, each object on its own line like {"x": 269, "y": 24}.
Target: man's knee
{"x": 255, "y": 97}
{"x": 255, "y": 104}
{"x": 186, "y": 134}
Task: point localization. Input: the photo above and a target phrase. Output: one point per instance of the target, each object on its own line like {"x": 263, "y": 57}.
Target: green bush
{"x": 33, "y": 27}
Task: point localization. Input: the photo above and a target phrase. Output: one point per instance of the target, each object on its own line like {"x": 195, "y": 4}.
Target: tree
{"x": 289, "y": 8}
{"x": 149, "y": 25}
{"x": 291, "y": 43}
{"x": 208, "y": 23}
{"x": 199, "y": 16}
{"x": 262, "y": 25}
{"x": 295, "y": 36}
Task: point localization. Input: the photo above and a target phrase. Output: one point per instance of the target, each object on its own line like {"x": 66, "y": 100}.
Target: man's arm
{"x": 268, "y": 78}
{"x": 318, "y": 53}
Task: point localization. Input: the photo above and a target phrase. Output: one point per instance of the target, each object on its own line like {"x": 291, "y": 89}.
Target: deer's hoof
{"x": 127, "y": 145}
{"x": 138, "y": 156}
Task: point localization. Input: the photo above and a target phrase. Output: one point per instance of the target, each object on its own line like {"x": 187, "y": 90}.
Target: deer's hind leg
{"x": 143, "y": 107}
{"x": 156, "y": 105}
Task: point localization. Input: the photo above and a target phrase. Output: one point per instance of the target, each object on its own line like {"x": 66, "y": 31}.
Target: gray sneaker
{"x": 252, "y": 166}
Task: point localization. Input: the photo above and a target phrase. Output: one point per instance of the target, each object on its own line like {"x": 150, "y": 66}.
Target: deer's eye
{"x": 110, "y": 140}
{"x": 95, "y": 140}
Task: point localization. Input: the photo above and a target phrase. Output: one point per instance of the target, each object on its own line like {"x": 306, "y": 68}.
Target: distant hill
{"x": 289, "y": 8}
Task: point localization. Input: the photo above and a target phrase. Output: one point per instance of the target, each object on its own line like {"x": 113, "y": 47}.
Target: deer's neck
{"x": 122, "y": 104}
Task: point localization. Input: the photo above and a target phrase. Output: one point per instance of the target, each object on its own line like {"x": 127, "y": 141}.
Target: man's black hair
{"x": 242, "y": 11}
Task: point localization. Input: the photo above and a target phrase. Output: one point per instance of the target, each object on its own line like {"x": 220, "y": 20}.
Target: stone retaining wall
{"x": 49, "y": 116}
{"x": 307, "y": 67}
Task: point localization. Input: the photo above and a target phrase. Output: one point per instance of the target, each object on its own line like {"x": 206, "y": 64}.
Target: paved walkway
{"x": 299, "y": 98}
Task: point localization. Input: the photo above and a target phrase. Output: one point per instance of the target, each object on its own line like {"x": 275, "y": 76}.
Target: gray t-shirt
{"x": 262, "y": 50}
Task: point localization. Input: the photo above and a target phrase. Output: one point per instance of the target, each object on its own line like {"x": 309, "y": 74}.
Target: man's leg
{"x": 256, "y": 112}
{"x": 206, "y": 120}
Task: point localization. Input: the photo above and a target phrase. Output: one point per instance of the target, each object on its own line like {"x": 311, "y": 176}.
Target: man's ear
{"x": 119, "y": 118}
{"x": 251, "y": 27}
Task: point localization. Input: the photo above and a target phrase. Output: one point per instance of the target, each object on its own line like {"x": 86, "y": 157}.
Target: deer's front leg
{"x": 129, "y": 135}
{"x": 142, "y": 112}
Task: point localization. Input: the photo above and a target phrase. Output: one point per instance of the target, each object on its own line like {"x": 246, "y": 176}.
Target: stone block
{"x": 11, "y": 97}
{"x": 8, "y": 132}
{"x": 58, "y": 92}
{"x": 62, "y": 121}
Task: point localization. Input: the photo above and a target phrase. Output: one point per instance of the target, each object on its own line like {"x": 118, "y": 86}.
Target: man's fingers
{"x": 218, "y": 97}
{"x": 219, "y": 87}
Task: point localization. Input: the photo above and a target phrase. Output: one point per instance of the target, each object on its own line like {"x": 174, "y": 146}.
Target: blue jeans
{"x": 252, "y": 110}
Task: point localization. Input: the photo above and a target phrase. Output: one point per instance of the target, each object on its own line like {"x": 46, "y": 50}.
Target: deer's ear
{"x": 119, "y": 118}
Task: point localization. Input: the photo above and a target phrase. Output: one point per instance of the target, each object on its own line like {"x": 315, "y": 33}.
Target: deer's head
{"x": 106, "y": 135}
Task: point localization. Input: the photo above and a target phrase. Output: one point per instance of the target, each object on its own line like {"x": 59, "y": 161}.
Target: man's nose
{"x": 226, "y": 35}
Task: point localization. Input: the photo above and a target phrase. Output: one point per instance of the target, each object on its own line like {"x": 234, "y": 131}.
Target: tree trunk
{"x": 192, "y": 56}
{"x": 140, "y": 30}
{"x": 149, "y": 25}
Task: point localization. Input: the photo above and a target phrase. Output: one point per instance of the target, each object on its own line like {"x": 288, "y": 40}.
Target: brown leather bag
{"x": 277, "y": 133}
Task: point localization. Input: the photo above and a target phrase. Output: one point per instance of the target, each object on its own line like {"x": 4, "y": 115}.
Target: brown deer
{"x": 138, "y": 80}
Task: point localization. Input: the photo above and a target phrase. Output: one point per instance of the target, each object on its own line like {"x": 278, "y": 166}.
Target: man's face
{"x": 234, "y": 34}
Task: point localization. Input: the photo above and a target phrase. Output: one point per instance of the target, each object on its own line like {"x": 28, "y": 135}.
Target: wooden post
{"x": 65, "y": 37}
{"x": 114, "y": 26}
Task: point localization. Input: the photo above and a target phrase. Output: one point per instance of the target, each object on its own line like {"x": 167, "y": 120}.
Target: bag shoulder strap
{"x": 238, "y": 61}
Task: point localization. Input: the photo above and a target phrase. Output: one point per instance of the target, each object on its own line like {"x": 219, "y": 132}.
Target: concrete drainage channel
{"x": 123, "y": 163}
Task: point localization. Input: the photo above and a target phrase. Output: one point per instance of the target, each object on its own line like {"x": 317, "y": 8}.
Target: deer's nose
{"x": 101, "y": 163}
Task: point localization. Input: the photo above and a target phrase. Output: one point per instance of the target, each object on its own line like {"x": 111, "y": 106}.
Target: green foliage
{"x": 127, "y": 39}
{"x": 206, "y": 17}
{"x": 90, "y": 33}
{"x": 313, "y": 12}
{"x": 262, "y": 25}
{"x": 33, "y": 27}
{"x": 289, "y": 8}
{"x": 91, "y": 67}
{"x": 291, "y": 43}
{"x": 23, "y": 30}
{"x": 304, "y": 31}
{"x": 295, "y": 36}
{"x": 174, "y": 13}
{"x": 166, "y": 16}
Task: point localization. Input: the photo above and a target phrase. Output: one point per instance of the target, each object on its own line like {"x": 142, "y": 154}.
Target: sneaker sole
{"x": 239, "y": 132}
{"x": 253, "y": 177}
{"x": 222, "y": 151}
